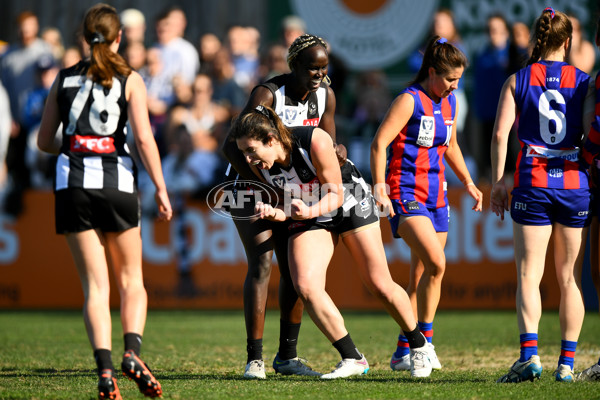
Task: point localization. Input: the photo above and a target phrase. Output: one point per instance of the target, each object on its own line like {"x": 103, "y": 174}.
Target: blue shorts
{"x": 439, "y": 216}
{"x": 542, "y": 206}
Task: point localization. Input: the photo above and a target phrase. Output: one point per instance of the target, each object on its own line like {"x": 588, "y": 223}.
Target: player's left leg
{"x": 569, "y": 244}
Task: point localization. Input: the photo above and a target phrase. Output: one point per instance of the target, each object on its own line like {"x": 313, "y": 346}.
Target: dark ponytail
{"x": 442, "y": 56}
{"x": 551, "y": 30}
{"x": 101, "y": 27}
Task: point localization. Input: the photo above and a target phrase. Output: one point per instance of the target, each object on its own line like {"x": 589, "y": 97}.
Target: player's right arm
{"x": 505, "y": 118}
{"x": 47, "y": 138}
{"x": 394, "y": 121}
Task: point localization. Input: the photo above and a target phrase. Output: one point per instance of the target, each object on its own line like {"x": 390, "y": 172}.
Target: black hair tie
{"x": 97, "y": 37}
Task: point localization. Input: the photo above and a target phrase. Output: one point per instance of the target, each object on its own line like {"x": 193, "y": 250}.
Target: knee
{"x": 259, "y": 267}
{"x": 305, "y": 290}
{"x": 382, "y": 289}
{"x": 436, "y": 266}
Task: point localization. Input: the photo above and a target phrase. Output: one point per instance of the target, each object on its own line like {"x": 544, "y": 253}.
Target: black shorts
{"x": 108, "y": 210}
{"x": 344, "y": 222}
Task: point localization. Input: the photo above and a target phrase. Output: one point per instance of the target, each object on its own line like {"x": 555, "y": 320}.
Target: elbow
{"x": 43, "y": 145}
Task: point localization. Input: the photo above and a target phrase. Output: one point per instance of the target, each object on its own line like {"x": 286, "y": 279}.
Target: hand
{"x": 475, "y": 193}
{"x": 264, "y": 210}
{"x": 165, "y": 212}
{"x": 499, "y": 199}
{"x": 341, "y": 153}
{"x": 299, "y": 210}
{"x": 384, "y": 204}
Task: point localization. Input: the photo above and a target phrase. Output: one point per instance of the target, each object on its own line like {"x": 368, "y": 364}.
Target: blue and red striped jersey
{"x": 550, "y": 99}
{"x": 415, "y": 167}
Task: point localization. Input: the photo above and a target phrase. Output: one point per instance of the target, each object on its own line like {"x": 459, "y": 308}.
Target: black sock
{"x": 345, "y": 346}
{"x": 103, "y": 360}
{"x": 288, "y": 339}
{"x": 254, "y": 349}
{"x": 133, "y": 341}
{"x": 415, "y": 338}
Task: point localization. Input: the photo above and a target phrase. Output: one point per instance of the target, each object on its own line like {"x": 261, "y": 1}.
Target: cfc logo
{"x": 583, "y": 213}
{"x": 556, "y": 173}
{"x": 520, "y": 206}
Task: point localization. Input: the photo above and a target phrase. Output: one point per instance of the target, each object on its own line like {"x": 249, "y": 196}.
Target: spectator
{"x": 18, "y": 77}
{"x": 582, "y": 55}
{"x": 226, "y": 91}
{"x": 209, "y": 45}
{"x": 134, "y": 27}
{"x": 161, "y": 95}
{"x": 71, "y": 57}
{"x": 371, "y": 106}
{"x": 203, "y": 120}
{"x": 491, "y": 70}
{"x": 292, "y": 26}
{"x": 518, "y": 52}
{"x": 243, "y": 45}
{"x": 40, "y": 164}
{"x": 135, "y": 55}
{"x": 274, "y": 63}
{"x": 53, "y": 37}
{"x": 179, "y": 57}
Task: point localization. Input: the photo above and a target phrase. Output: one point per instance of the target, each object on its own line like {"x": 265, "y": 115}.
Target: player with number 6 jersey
{"x": 551, "y": 196}
{"x": 549, "y": 131}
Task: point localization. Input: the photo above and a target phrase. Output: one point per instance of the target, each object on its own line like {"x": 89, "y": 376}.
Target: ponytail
{"x": 101, "y": 28}
{"x": 442, "y": 56}
{"x": 551, "y": 30}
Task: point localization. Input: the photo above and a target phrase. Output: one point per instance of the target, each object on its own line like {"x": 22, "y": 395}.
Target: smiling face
{"x": 261, "y": 155}
{"x": 442, "y": 85}
{"x": 310, "y": 68}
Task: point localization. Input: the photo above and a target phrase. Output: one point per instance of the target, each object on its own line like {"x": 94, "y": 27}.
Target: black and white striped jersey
{"x": 295, "y": 112}
{"x": 94, "y": 153}
{"x": 300, "y": 178}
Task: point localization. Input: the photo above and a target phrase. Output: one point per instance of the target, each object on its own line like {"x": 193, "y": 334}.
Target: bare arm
{"x": 456, "y": 161}
{"x": 47, "y": 139}
{"x": 394, "y": 121}
{"x": 135, "y": 92}
{"x": 505, "y": 118}
{"x": 327, "y": 123}
{"x": 329, "y": 174}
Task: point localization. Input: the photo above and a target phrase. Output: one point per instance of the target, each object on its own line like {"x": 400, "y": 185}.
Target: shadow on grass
{"x": 46, "y": 372}
{"x": 359, "y": 379}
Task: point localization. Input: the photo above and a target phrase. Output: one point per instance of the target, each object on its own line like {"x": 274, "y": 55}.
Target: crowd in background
{"x": 195, "y": 89}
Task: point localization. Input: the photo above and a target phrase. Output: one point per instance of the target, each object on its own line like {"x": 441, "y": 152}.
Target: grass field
{"x": 201, "y": 355}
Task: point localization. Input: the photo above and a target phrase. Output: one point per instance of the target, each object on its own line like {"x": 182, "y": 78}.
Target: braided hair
{"x": 552, "y": 29}
{"x": 301, "y": 43}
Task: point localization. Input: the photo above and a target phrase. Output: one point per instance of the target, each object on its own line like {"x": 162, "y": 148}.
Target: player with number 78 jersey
{"x": 94, "y": 150}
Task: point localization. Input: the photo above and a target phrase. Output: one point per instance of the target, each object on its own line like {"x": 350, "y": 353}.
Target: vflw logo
{"x": 290, "y": 115}
{"x": 279, "y": 181}
{"x": 426, "y": 131}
